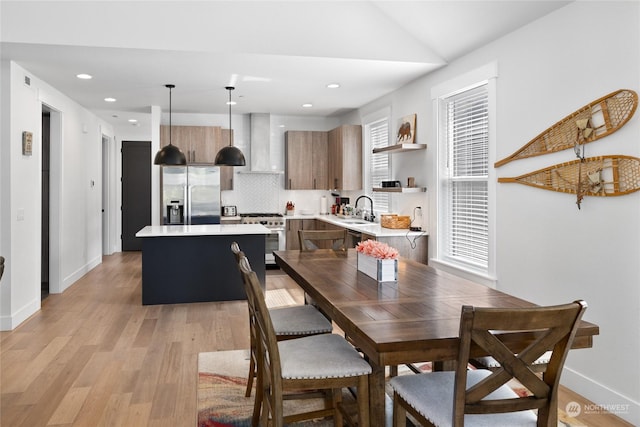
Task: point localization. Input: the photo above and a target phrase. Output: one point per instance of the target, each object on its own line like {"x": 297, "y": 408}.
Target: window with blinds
{"x": 378, "y": 136}
{"x": 464, "y": 178}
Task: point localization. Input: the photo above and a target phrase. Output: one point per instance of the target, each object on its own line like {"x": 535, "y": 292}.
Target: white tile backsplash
{"x": 255, "y": 192}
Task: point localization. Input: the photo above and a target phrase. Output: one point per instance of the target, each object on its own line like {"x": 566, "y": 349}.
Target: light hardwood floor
{"x": 94, "y": 356}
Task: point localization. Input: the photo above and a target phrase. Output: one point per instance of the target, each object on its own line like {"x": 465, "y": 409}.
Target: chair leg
{"x": 259, "y": 399}
{"x": 363, "y": 401}
{"x": 399, "y": 413}
{"x": 336, "y": 402}
{"x": 251, "y": 376}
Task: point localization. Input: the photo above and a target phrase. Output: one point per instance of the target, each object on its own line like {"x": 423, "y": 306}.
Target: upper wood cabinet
{"x": 200, "y": 144}
{"x": 345, "y": 158}
{"x": 306, "y": 154}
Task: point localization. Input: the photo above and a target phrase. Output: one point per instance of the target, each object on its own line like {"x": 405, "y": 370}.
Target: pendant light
{"x": 230, "y": 155}
{"x": 170, "y": 155}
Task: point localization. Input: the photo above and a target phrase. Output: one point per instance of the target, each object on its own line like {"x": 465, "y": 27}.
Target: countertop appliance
{"x": 196, "y": 189}
{"x": 274, "y": 241}
{"x": 229, "y": 211}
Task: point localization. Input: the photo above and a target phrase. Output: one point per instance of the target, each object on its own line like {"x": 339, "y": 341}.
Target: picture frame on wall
{"x": 406, "y": 130}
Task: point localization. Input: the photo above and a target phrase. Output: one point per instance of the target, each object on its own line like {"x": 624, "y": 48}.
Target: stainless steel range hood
{"x": 260, "y": 145}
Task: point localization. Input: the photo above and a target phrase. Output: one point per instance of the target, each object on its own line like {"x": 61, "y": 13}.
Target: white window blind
{"x": 465, "y": 181}
{"x": 378, "y": 133}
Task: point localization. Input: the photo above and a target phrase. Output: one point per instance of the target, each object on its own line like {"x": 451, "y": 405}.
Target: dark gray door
{"x": 136, "y": 192}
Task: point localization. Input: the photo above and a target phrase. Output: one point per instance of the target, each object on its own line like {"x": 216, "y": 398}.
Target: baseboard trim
{"x": 77, "y": 275}
{"x": 9, "y": 323}
{"x": 604, "y": 398}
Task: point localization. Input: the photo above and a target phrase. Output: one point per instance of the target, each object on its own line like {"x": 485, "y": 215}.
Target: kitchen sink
{"x": 356, "y": 221}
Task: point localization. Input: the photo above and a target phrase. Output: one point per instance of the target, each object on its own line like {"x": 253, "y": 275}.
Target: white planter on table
{"x": 383, "y": 270}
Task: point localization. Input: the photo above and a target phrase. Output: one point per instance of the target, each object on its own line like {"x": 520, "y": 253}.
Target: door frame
{"x": 55, "y": 207}
{"x": 107, "y": 231}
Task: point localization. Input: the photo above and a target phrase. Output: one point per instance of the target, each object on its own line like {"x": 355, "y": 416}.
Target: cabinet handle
{"x": 289, "y": 183}
{"x": 314, "y": 183}
{"x": 335, "y": 183}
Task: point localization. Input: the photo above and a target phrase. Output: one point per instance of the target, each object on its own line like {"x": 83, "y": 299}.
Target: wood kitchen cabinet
{"x": 200, "y": 144}
{"x": 345, "y": 158}
{"x": 306, "y": 158}
{"x": 293, "y": 225}
{"x": 408, "y": 247}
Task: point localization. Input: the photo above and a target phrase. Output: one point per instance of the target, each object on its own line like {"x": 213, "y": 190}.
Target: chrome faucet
{"x": 372, "y": 216}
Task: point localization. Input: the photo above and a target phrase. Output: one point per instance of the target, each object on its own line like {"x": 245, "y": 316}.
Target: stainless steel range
{"x": 274, "y": 241}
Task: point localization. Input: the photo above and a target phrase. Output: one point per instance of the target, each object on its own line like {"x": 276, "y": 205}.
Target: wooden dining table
{"x": 415, "y": 319}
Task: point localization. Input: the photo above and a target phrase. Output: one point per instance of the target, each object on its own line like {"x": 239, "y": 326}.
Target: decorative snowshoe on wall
{"x": 595, "y": 120}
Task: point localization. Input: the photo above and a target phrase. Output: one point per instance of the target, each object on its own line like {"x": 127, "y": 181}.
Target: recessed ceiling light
{"x": 231, "y": 102}
{"x": 110, "y": 99}
{"x": 133, "y": 121}
{"x": 333, "y": 85}
{"x": 307, "y": 105}
{"x": 84, "y": 76}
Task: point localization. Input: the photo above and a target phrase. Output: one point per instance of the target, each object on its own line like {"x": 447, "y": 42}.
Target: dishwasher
{"x": 353, "y": 238}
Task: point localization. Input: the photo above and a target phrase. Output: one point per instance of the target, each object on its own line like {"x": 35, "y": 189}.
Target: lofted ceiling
{"x": 278, "y": 54}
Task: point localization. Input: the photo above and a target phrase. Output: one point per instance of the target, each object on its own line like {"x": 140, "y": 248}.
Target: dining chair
{"x": 318, "y": 362}
{"x": 322, "y": 239}
{"x": 288, "y": 322}
{"x": 482, "y": 397}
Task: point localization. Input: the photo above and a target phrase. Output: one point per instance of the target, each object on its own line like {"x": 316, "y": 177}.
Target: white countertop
{"x": 374, "y": 229}
{"x": 201, "y": 230}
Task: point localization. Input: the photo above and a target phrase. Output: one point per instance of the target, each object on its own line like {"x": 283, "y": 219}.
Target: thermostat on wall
{"x": 27, "y": 143}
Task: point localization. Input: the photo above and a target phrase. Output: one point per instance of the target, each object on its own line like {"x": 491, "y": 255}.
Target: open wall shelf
{"x": 400, "y": 189}
{"x": 399, "y": 148}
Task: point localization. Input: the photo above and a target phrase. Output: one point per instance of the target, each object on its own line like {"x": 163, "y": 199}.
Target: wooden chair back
{"x": 322, "y": 239}
{"x": 269, "y": 387}
{"x": 486, "y": 331}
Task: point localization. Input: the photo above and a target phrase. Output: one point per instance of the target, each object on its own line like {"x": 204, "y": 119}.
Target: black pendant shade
{"x": 170, "y": 155}
{"x": 230, "y": 155}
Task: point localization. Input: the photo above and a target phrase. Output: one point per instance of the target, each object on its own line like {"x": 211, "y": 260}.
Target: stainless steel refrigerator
{"x": 190, "y": 194}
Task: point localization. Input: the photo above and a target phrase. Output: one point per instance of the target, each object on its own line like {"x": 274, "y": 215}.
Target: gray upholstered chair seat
{"x": 299, "y": 320}
{"x": 431, "y": 394}
{"x": 491, "y": 363}
{"x": 320, "y": 356}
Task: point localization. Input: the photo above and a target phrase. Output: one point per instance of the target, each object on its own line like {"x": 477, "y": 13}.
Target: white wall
{"x": 548, "y": 251}
{"x": 76, "y": 168}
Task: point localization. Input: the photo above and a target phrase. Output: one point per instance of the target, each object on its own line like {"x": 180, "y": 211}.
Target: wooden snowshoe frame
{"x": 596, "y": 120}
{"x": 603, "y": 176}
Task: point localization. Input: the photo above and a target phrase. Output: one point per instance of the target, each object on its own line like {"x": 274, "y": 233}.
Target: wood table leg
{"x": 377, "y": 395}
{"x": 444, "y": 365}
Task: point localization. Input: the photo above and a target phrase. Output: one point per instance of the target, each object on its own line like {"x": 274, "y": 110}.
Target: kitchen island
{"x": 194, "y": 263}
